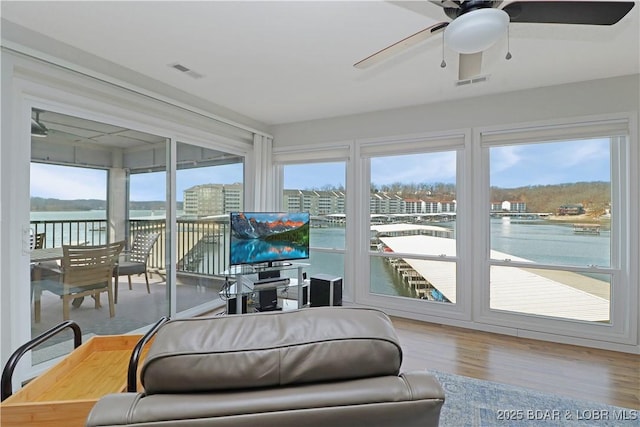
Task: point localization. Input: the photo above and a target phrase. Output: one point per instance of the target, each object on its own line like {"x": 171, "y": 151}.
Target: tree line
{"x": 41, "y": 204}
{"x": 594, "y": 196}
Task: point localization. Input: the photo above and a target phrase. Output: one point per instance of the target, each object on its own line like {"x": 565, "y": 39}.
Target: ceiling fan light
{"x": 476, "y": 30}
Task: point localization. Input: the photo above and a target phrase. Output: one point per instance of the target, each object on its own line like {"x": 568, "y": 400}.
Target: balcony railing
{"x": 71, "y": 232}
{"x": 202, "y": 244}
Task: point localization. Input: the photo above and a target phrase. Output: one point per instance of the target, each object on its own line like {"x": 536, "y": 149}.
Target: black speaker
{"x": 305, "y": 294}
{"x": 325, "y": 289}
{"x": 268, "y": 274}
{"x": 268, "y": 299}
{"x": 232, "y": 306}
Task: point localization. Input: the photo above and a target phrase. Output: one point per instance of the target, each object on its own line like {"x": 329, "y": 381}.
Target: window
{"x": 551, "y": 213}
{"x": 319, "y": 188}
{"x": 563, "y": 266}
{"x": 412, "y": 209}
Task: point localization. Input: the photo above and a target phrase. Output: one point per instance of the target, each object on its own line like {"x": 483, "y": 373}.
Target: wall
{"x": 613, "y": 95}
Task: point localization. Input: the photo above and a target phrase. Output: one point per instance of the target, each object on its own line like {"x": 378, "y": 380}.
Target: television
{"x": 268, "y": 237}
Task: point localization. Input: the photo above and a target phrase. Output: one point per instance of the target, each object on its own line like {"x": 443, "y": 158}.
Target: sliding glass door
{"x": 93, "y": 183}
{"x": 209, "y": 185}
{"x": 83, "y": 193}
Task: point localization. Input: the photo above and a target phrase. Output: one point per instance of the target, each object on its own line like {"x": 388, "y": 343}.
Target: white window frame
{"x": 338, "y": 151}
{"x": 455, "y": 140}
{"x": 622, "y": 328}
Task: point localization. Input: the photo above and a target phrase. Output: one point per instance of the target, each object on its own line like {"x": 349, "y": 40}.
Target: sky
{"x": 67, "y": 183}
{"x": 511, "y": 167}
{"x": 550, "y": 163}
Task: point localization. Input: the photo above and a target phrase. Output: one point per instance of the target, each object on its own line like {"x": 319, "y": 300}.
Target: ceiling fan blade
{"x": 568, "y": 12}
{"x": 400, "y": 46}
{"x": 446, "y": 3}
{"x": 469, "y": 65}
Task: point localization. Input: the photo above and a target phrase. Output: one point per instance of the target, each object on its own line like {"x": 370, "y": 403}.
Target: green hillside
{"x": 594, "y": 196}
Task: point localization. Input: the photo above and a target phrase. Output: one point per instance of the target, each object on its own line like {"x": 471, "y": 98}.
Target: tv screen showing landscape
{"x": 268, "y": 237}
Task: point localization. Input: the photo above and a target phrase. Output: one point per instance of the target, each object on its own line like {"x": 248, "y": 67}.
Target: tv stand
{"x": 272, "y": 265}
{"x": 250, "y": 280}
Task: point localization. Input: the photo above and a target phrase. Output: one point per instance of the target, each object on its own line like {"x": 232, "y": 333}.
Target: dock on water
{"x": 586, "y": 228}
{"x": 515, "y": 289}
{"x": 403, "y": 229}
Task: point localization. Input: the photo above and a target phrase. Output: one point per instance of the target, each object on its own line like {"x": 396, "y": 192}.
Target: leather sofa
{"x": 325, "y": 366}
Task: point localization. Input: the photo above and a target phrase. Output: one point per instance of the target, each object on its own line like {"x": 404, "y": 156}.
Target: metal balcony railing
{"x": 71, "y": 232}
{"x": 202, "y": 244}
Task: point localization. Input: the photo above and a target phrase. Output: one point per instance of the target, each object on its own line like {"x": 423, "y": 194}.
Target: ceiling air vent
{"x": 466, "y": 82}
{"x": 186, "y": 70}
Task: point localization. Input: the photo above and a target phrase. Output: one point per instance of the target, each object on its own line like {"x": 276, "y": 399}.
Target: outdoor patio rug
{"x": 470, "y": 402}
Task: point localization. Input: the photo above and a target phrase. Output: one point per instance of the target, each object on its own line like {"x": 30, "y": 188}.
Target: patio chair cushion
{"x": 130, "y": 267}
{"x": 135, "y": 261}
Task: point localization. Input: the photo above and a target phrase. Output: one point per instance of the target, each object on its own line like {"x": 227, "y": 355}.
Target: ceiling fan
{"x": 476, "y": 25}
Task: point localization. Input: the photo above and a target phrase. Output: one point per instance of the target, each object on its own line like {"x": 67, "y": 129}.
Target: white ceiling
{"x": 280, "y": 62}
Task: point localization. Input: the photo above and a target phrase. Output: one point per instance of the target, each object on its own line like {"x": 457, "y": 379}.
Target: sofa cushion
{"x": 270, "y": 349}
{"x": 412, "y": 399}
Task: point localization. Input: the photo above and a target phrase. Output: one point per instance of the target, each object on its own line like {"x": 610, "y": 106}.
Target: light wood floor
{"x": 582, "y": 373}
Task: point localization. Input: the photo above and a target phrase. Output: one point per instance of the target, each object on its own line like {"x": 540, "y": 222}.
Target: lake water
{"x": 552, "y": 243}
{"x": 98, "y": 214}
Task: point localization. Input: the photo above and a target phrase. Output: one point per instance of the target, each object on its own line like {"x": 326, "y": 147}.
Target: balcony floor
{"x": 135, "y": 309}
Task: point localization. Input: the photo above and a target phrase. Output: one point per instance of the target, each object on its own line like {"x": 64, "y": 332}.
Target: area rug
{"x": 471, "y": 402}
